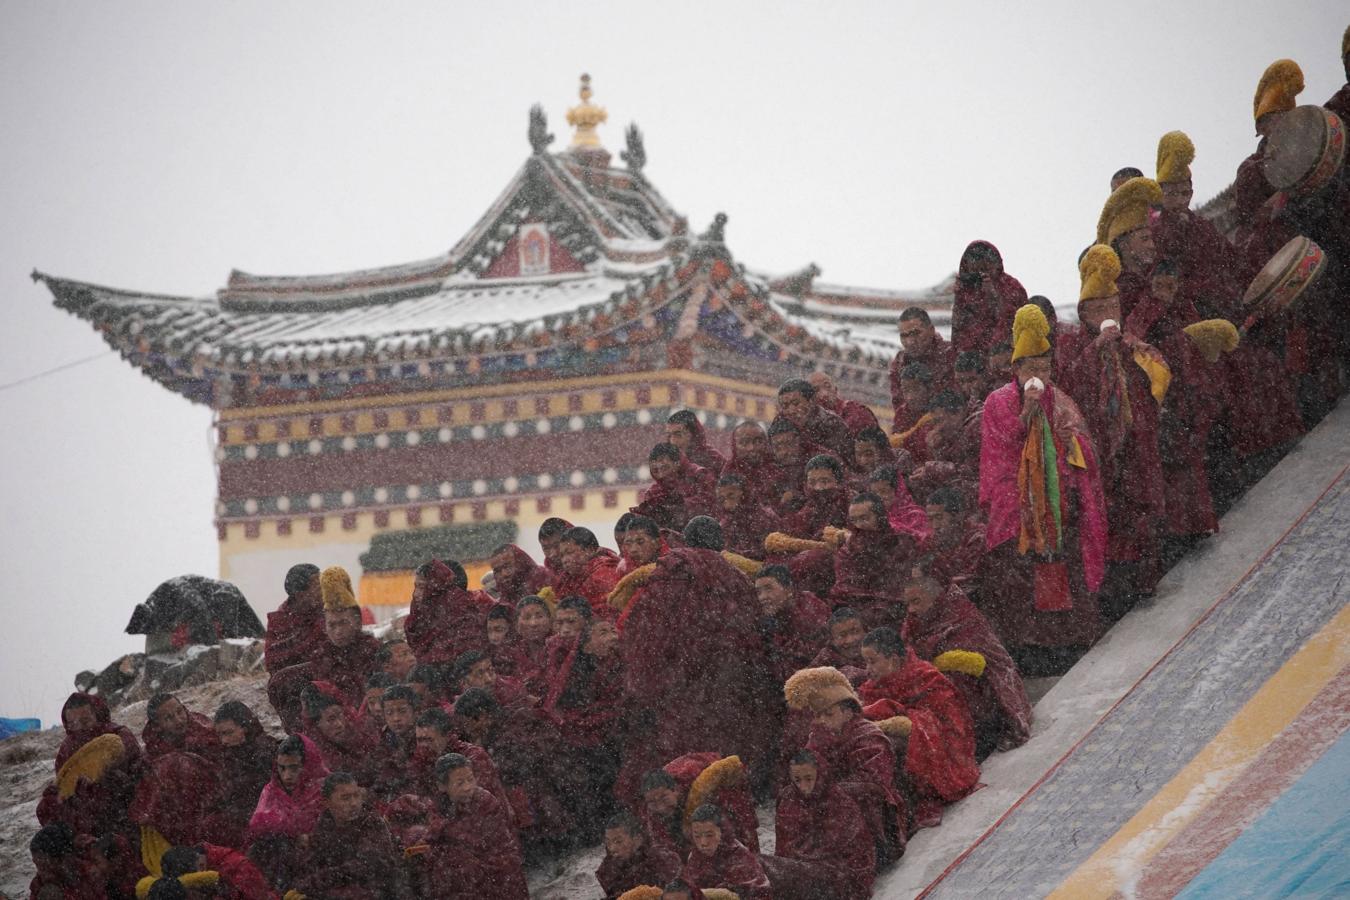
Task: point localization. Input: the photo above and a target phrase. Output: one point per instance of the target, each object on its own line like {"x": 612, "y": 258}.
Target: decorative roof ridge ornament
{"x": 635, "y": 157}
{"x": 539, "y": 135}
{"x": 716, "y": 233}
{"x": 585, "y": 117}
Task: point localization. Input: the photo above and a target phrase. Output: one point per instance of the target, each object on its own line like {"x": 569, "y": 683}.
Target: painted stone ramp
{"x": 1183, "y": 727}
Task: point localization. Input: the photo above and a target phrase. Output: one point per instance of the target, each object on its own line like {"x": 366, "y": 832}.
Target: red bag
{"x": 1052, "y": 587}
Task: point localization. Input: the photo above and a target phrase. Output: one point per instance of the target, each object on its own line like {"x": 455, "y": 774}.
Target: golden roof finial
{"x": 585, "y": 117}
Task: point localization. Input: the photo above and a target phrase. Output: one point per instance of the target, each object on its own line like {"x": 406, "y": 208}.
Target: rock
{"x": 84, "y": 681}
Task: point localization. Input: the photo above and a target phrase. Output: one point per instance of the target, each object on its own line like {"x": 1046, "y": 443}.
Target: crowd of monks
{"x": 827, "y": 614}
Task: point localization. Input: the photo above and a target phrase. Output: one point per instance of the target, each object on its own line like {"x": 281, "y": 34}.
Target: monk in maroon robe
{"x": 693, "y": 661}
{"x": 685, "y": 431}
{"x": 939, "y": 761}
{"x": 245, "y": 758}
{"x": 551, "y": 533}
{"x": 920, "y": 343}
{"x": 793, "y": 622}
{"x": 788, "y": 472}
{"x": 871, "y": 567}
{"x": 871, "y": 450}
{"x": 288, "y": 810}
{"x": 472, "y": 850}
{"x": 987, "y": 298}
{"x": 854, "y": 414}
{"x": 295, "y": 630}
{"x": 516, "y": 574}
{"x": 843, "y": 651}
{"x": 905, "y": 515}
{"x": 170, "y": 726}
{"x": 917, "y": 386}
{"x": 445, "y": 618}
{"x": 631, "y": 860}
{"x": 744, "y": 524}
{"x": 717, "y": 862}
{"x": 533, "y": 627}
{"x": 666, "y": 794}
{"x": 754, "y": 463}
{"x": 238, "y": 877}
{"x": 797, "y": 403}
{"x": 588, "y": 570}
{"x": 174, "y": 796}
{"x": 957, "y": 546}
{"x": 951, "y": 451}
{"x": 818, "y": 824}
{"x": 94, "y": 806}
{"x": 680, "y": 490}
{"x": 332, "y": 725}
{"x": 61, "y": 868}
{"x": 942, "y": 619}
{"x": 352, "y": 855}
{"x": 825, "y": 502}
{"x": 435, "y": 736}
{"x": 509, "y": 657}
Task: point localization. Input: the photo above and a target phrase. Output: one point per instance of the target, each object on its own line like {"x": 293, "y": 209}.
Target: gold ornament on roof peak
{"x": 585, "y": 117}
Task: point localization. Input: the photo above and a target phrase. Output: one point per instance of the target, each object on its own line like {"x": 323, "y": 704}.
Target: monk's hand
{"x": 1107, "y": 336}
{"x": 1031, "y": 400}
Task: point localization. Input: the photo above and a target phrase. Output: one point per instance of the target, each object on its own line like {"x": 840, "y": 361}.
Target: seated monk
{"x": 436, "y": 737}
{"x": 508, "y": 657}
{"x": 752, "y": 460}
{"x": 789, "y": 451}
{"x": 169, "y": 726}
{"x": 521, "y": 745}
{"x": 825, "y": 502}
{"x": 695, "y": 673}
{"x": 721, "y": 862}
{"x": 916, "y": 386}
{"x": 551, "y": 532}
{"x": 971, "y": 379}
{"x": 793, "y": 622}
{"x": 351, "y": 852}
{"x": 856, "y": 751}
{"x": 97, "y": 768}
{"x": 631, "y": 860}
{"x": 844, "y": 649}
{"x": 942, "y": 620}
{"x": 370, "y": 715}
{"x": 343, "y": 744}
{"x": 685, "y": 432}
{"x": 957, "y": 547}
{"x": 584, "y": 702}
{"x": 471, "y": 849}
{"x": 295, "y": 630}
{"x": 820, "y": 828}
{"x": 393, "y": 763}
{"x": 671, "y": 793}
{"x": 175, "y": 796}
{"x": 856, "y": 416}
{"x": 245, "y": 758}
{"x": 953, "y": 449}
{"x": 445, "y": 618}
{"x": 939, "y": 755}
{"x": 588, "y": 570}
{"x": 397, "y": 659}
{"x": 234, "y": 875}
{"x": 643, "y": 543}
{"x": 870, "y": 568}
{"x": 818, "y": 426}
{"x": 680, "y": 489}
{"x": 475, "y": 669}
{"x": 904, "y": 515}
{"x": 516, "y": 574}
{"x": 288, "y": 810}
{"x": 745, "y": 525}
{"x": 60, "y": 870}
{"x": 345, "y": 660}
{"x": 871, "y": 449}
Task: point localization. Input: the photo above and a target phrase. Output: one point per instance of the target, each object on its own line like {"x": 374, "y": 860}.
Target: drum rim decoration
{"x": 1290, "y": 282}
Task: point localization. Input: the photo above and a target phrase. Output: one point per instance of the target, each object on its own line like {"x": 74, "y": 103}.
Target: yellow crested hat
{"x": 1175, "y": 155}
{"x": 1281, "y": 82}
{"x": 1031, "y": 333}
{"x": 1127, "y": 208}
{"x": 336, "y": 585}
{"x": 1212, "y": 337}
{"x": 1099, "y": 268}
{"x": 817, "y": 689}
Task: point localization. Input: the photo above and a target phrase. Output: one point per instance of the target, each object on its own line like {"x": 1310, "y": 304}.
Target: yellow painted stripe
{"x": 1216, "y": 766}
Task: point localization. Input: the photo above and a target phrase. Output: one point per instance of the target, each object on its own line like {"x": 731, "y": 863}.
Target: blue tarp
{"x": 11, "y": 727}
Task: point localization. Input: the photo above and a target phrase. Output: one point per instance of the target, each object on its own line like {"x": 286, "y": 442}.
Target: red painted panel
{"x": 507, "y": 263}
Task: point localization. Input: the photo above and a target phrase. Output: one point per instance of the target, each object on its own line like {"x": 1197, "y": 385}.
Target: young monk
{"x": 370, "y": 716}
{"x": 904, "y": 515}
{"x": 920, "y": 343}
{"x": 588, "y": 570}
{"x": 752, "y": 460}
{"x": 235, "y": 876}
{"x": 670, "y": 793}
{"x": 685, "y": 432}
{"x": 825, "y": 501}
{"x": 941, "y": 620}
{"x": 917, "y": 387}
{"x": 551, "y": 532}
{"x": 953, "y": 447}
{"x": 288, "y": 810}
{"x": 871, "y": 449}
{"x": 295, "y": 630}
{"x": 1045, "y": 563}
{"x": 631, "y": 859}
{"x": 397, "y": 659}
{"x": 534, "y": 626}
{"x": 97, "y": 768}
{"x": 680, "y": 489}
{"x": 351, "y": 852}
{"x": 939, "y": 758}
{"x": 445, "y": 618}
{"x": 789, "y": 450}
{"x": 972, "y": 378}
{"x": 871, "y": 565}
{"x": 820, "y": 427}
{"x": 343, "y": 744}
{"x": 516, "y": 574}
{"x": 856, "y": 752}
{"x": 169, "y": 727}
{"x": 394, "y": 773}
{"x": 435, "y": 738}
{"x": 844, "y": 650}
{"x": 475, "y": 669}
{"x": 793, "y": 622}
{"x": 820, "y": 826}
{"x": 471, "y": 847}
{"x": 61, "y": 871}
{"x": 744, "y": 524}
{"x": 245, "y": 758}
{"x": 508, "y": 657}
{"x": 719, "y": 862}
{"x": 957, "y": 547}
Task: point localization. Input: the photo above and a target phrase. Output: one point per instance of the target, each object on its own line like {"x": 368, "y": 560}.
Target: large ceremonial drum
{"x": 1305, "y": 151}
{"x": 1288, "y": 277}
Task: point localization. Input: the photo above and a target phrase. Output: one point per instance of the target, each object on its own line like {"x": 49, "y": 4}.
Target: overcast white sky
{"x": 156, "y": 146}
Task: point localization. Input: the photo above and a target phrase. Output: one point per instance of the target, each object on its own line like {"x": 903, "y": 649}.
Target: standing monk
{"x": 680, "y": 489}
{"x": 295, "y": 630}
{"x": 445, "y": 618}
{"x": 1046, "y": 517}
{"x": 986, "y": 300}
{"x": 920, "y": 343}
{"x": 588, "y": 570}
{"x": 685, "y": 431}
